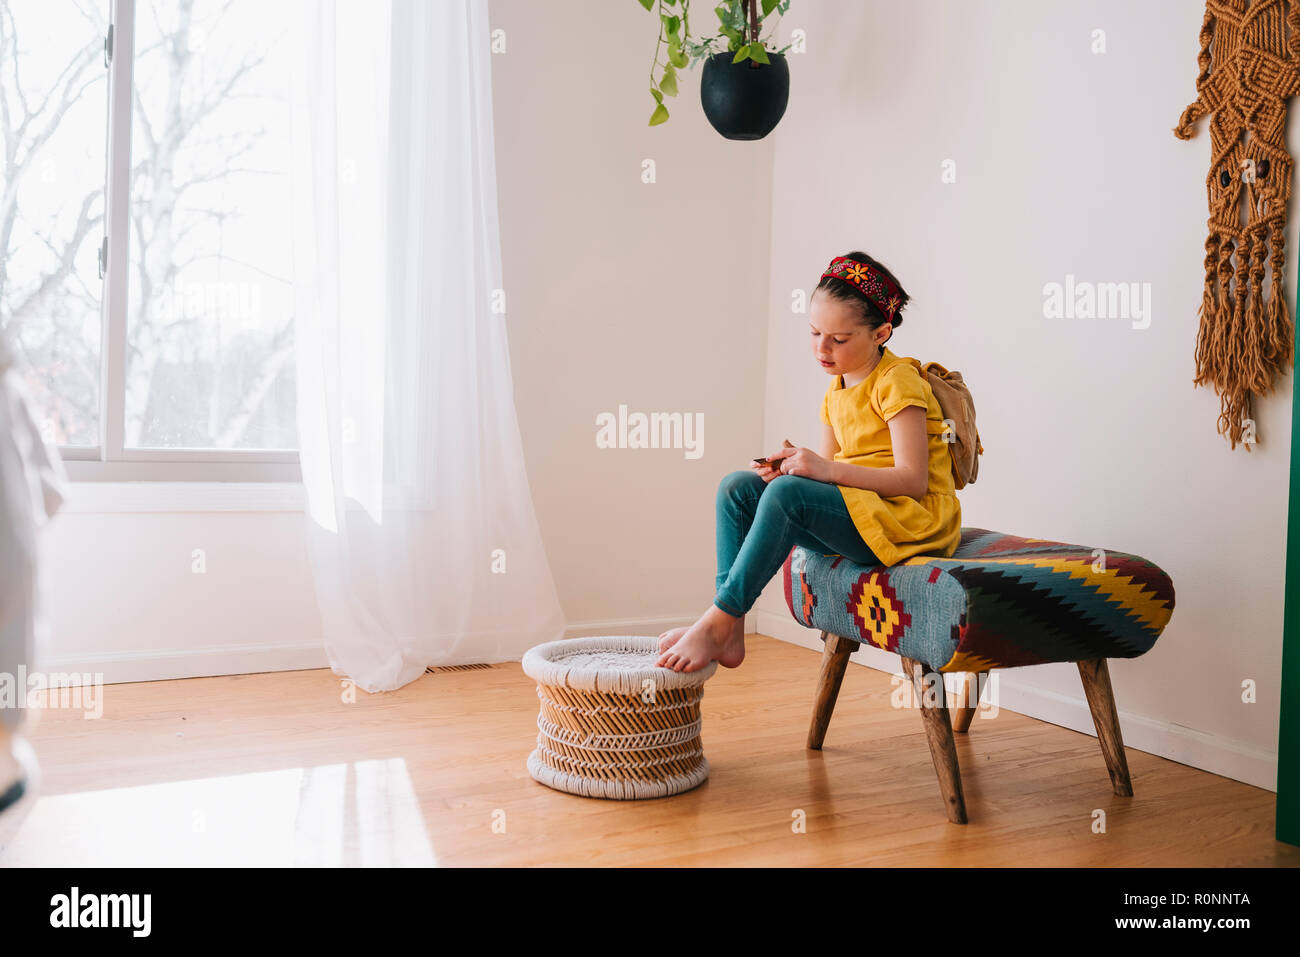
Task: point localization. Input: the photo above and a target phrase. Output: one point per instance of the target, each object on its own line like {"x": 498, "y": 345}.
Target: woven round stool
{"x": 612, "y": 724}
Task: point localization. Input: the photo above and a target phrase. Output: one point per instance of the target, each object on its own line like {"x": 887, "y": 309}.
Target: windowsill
{"x": 105, "y": 497}
{"x": 184, "y": 468}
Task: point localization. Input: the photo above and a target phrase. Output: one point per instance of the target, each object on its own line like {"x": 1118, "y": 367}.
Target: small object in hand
{"x": 774, "y": 463}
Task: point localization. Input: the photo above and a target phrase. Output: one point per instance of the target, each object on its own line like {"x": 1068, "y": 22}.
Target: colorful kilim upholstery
{"x": 998, "y": 602}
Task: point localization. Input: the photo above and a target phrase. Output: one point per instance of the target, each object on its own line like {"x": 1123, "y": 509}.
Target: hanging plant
{"x": 738, "y": 105}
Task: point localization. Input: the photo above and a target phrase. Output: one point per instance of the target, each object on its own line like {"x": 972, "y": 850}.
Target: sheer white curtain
{"x": 424, "y": 543}
{"x": 33, "y": 487}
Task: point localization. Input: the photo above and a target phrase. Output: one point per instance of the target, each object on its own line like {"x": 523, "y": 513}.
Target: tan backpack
{"x": 954, "y": 398}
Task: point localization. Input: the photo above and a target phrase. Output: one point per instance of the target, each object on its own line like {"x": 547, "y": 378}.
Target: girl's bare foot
{"x": 716, "y": 636}
{"x": 734, "y": 653}
{"x": 670, "y": 637}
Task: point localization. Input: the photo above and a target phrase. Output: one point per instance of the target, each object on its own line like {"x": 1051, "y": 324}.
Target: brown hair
{"x": 870, "y": 313}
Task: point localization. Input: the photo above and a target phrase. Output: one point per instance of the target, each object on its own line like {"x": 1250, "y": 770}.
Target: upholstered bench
{"x": 998, "y": 602}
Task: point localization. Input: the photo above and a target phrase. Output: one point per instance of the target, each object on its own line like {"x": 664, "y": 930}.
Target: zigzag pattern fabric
{"x": 1000, "y": 601}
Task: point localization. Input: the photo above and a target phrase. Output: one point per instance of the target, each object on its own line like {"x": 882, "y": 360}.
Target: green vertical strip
{"x": 1288, "y": 737}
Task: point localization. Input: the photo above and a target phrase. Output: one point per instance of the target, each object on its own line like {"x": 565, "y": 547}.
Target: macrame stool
{"x": 1249, "y": 66}
{"x": 612, "y": 724}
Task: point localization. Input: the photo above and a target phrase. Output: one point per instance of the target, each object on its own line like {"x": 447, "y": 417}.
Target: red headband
{"x": 871, "y": 282}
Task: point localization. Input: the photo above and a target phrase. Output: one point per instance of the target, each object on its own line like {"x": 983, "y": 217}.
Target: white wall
{"x": 1066, "y": 163}
{"x": 140, "y": 595}
{"x": 653, "y": 296}
{"x": 675, "y": 297}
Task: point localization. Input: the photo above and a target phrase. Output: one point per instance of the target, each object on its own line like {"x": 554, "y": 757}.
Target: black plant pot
{"x": 745, "y": 100}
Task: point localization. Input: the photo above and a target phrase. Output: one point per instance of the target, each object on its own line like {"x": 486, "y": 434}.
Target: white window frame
{"x": 110, "y": 460}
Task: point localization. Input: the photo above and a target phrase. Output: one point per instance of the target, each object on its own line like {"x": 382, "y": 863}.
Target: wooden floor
{"x": 277, "y": 769}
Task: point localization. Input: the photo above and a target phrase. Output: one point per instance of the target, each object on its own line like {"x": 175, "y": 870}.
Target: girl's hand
{"x": 795, "y": 461}
{"x": 806, "y": 463}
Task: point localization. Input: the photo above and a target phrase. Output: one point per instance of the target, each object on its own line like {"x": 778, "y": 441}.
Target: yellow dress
{"x": 899, "y": 526}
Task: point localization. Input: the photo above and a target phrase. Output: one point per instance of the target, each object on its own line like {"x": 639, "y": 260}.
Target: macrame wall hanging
{"x": 1249, "y": 66}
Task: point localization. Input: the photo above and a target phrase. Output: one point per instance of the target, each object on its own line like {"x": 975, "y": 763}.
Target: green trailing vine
{"x": 740, "y": 25}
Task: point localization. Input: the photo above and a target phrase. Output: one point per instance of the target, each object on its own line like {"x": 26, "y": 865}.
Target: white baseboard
{"x": 123, "y": 666}
{"x": 1207, "y": 752}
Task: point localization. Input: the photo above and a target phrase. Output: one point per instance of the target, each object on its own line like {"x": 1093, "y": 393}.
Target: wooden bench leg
{"x": 962, "y": 714}
{"x": 938, "y": 731}
{"x": 1101, "y": 701}
{"x": 834, "y": 660}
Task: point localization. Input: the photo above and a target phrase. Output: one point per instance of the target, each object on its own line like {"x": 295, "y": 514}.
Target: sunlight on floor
{"x": 365, "y": 814}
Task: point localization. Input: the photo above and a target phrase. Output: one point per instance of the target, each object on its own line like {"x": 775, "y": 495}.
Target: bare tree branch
{"x": 269, "y": 371}
{"x": 222, "y": 95}
{"x": 67, "y": 78}
{"x": 65, "y": 259}
{"x": 222, "y": 257}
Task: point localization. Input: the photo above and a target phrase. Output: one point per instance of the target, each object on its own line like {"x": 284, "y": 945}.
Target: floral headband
{"x": 871, "y": 282}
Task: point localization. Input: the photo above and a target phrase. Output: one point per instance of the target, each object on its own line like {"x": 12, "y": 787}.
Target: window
{"x": 54, "y": 86}
{"x": 146, "y": 272}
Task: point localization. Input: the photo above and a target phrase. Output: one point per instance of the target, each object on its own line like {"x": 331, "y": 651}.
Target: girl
{"x": 881, "y": 490}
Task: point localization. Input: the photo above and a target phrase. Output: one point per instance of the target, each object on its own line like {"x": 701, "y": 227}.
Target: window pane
{"x": 209, "y": 314}
{"x": 55, "y": 95}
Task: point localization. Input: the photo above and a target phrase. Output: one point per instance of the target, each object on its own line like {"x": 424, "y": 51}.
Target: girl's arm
{"x": 829, "y": 444}
{"x": 910, "y": 473}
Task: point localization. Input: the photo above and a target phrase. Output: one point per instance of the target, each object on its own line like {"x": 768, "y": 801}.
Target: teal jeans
{"x": 758, "y": 524}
